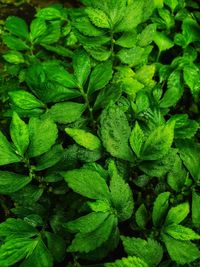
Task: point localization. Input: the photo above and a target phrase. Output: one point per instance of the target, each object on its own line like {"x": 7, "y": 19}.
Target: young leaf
{"x": 180, "y": 232}
{"x": 128, "y": 262}
{"x": 82, "y": 66}
{"x": 84, "y": 138}
{"x": 98, "y": 17}
{"x": 182, "y": 252}
{"x": 141, "y": 216}
{"x": 14, "y": 43}
{"x": 66, "y": 112}
{"x": 177, "y": 214}
{"x": 150, "y": 251}
{"x": 100, "y": 77}
{"x": 158, "y": 142}
{"x": 115, "y": 133}
{"x": 14, "y": 57}
{"x": 11, "y": 182}
{"x": 121, "y": 194}
{"x": 137, "y": 139}
{"x": 7, "y": 152}
{"x": 49, "y": 13}
{"x": 17, "y": 26}
{"x": 39, "y": 130}
{"x": 38, "y": 28}
{"x": 87, "y": 183}
{"x": 160, "y": 208}
{"x": 195, "y": 209}
{"x": 162, "y": 41}
{"x": 87, "y": 223}
{"x": 56, "y": 245}
{"x": 19, "y": 133}
{"x": 85, "y": 242}
{"x": 191, "y": 78}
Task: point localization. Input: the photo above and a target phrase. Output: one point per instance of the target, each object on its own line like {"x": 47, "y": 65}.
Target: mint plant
{"x": 99, "y": 135}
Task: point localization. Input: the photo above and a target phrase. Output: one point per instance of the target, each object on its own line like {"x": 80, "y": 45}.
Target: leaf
{"x": 38, "y": 27}
{"x": 82, "y": 66}
{"x": 39, "y": 130}
{"x": 160, "y": 208}
{"x": 191, "y": 78}
{"x": 11, "y": 182}
{"x": 137, "y": 139}
{"x": 15, "y": 250}
{"x": 190, "y": 30}
{"x": 141, "y": 216}
{"x": 162, "y": 41}
{"x": 7, "y": 152}
{"x": 49, "y": 13}
{"x": 121, "y": 194}
{"x": 40, "y": 257}
{"x": 14, "y": 43}
{"x": 87, "y": 183}
{"x": 19, "y": 133}
{"x": 180, "y": 232}
{"x": 100, "y": 77}
{"x": 87, "y": 223}
{"x": 158, "y": 142}
{"x": 17, "y": 26}
{"x": 59, "y": 50}
{"x": 134, "y": 56}
{"x": 14, "y": 57}
{"x": 66, "y": 112}
{"x": 84, "y": 25}
{"x": 174, "y": 90}
{"x": 171, "y": 3}
{"x": 147, "y": 35}
{"x": 150, "y": 251}
{"x": 16, "y": 228}
{"x": 182, "y": 252}
{"x": 24, "y": 100}
{"x": 127, "y": 40}
{"x": 189, "y": 153}
{"x": 177, "y": 214}
{"x": 98, "y": 17}
{"x": 84, "y": 138}
{"x": 115, "y": 132}
{"x": 128, "y": 262}
{"x": 195, "y": 209}
{"x": 85, "y": 242}
{"x": 99, "y": 53}
{"x": 56, "y": 246}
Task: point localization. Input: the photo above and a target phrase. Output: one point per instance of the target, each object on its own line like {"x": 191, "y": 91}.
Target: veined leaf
{"x": 137, "y": 139}
{"x": 160, "y": 208}
{"x": 128, "y": 262}
{"x": 177, "y": 214}
{"x": 180, "y": 232}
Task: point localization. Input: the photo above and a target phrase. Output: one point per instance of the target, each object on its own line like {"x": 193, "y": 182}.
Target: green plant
{"x": 99, "y": 140}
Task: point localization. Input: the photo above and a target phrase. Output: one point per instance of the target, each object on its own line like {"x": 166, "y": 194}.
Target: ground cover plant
{"x": 99, "y": 140}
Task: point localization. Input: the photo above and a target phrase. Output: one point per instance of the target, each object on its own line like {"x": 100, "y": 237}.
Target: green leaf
{"x": 24, "y": 100}
{"x": 66, "y": 112}
{"x": 189, "y": 153}
{"x": 16, "y": 228}
{"x": 40, "y": 257}
{"x": 177, "y": 214}
{"x": 87, "y": 183}
{"x": 19, "y": 133}
{"x": 158, "y": 142}
{"x": 59, "y": 50}
{"x": 160, "y": 208}
{"x": 115, "y": 132}
{"x": 141, "y": 216}
{"x": 87, "y": 223}
{"x": 38, "y": 28}
{"x": 11, "y": 182}
{"x": 14, "y": 43}
{"x": 56, "y": 245}
{"x": 180, "y": 232}
{"x": 121, "y": 194}
{"x": 98, "y": 17}
{"x": 84, "y": 138}
{"x": 127, "y": 40}
{"x": 134, "y": 56}
{"x": 84, "y": 25}
{"x": 191, "y": 78}
{"x": 162, "y": 41}
{"x": 150, "y": 251}
{"x": 147, "y": 35}
{"x": 99, "y": 53}
{"x": 137, "y": 139}
{"x": 190, "y": 30}
{"x": 14, "y": 57}
{"x": 39, "y": 130}
{"x": 174, "y": 90}
{"x": 82, "y": 66}
{"x": 182, "y": 252}
{"x": 85, "y": 242}
{"x": 100, "y": 77}
{"x": 49, "y": 13}
{"x": 7, "y": 152}
{"x": 171, "y": 3}
{"x": 128, "y": 262}
{"x": 17, "y": 26}
{"x": 195, "y": 209}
